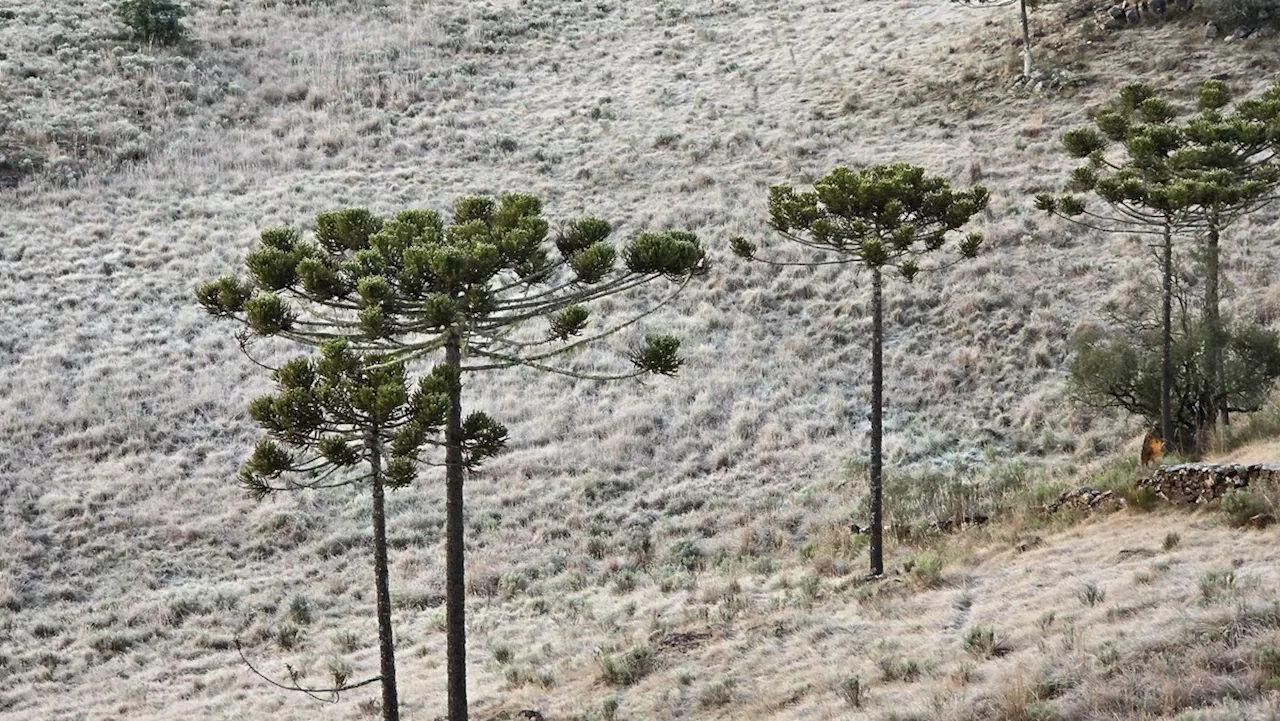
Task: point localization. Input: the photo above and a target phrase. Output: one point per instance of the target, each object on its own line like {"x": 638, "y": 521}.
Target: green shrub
{"x": 628, "y": 667}
{"x": 896, "y": 669}
{"x": 1243, "y": 508}
{"x": 153, "y": 21}
{"x": 926, "y": 568}
{"x": 981, "y": 641}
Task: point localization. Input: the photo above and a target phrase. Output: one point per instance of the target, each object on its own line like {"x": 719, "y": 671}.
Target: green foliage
{"x": 981, "y": 641}
{"x": 1243, "y": 507}
{"x": 1122, "y": 370}
{"x": 883, "y": 216}
{"x": 925, "y": 568}
{"x": 1217, "y": 584}
{"x": 628, "y": 667}
{"x": 326, "y": 413}
{"x": 893, "y": 668}
{"x": 153, "y": 21}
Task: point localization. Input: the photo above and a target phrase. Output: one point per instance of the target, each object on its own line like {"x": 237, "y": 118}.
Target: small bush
{"x": 625, "y": 581}
{"x": 1215, "y": 584}
{"x": 926, "y": 569}
{"x": 850, "y": 689}
{"x": 981, "y": 641}
{"x": 686, "y": 554}
{"x": 716, "y": 695}
{"x": 628, "y": 667}
{"x": 153, "y": 21}
{"x": 1171, "y": 541}
{"x": 503, "y": 654}
{"x": 896, "y": 669}
{"x": 1091, "y": 595}
{"x": 1243, "y": 508}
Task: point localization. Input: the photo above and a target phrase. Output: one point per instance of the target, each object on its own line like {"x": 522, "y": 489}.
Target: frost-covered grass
{"x": 129, "y": 560}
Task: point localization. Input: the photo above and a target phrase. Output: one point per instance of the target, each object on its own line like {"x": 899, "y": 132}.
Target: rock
{"x": 1131, "y": 15}
{"x": 1159, "y": 6}
{"x": 1266, "y": 31}
{"x": 1210, "y": 31}
{"x": 1117, "y": 12}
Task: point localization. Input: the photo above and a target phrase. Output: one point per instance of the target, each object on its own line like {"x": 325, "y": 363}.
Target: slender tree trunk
{"x": 877, "y": 423}
{"x": 1026, "y": 40}
{"x": 1213, "y": 323}
{"x": 386, "y": 642}
{"x": 455, "y": 588}
{"x": 1166, "y": 339}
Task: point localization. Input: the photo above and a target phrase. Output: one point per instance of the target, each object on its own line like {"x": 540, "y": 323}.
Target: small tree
{"x": 882, "y": 218}
{"x": 153, "y": 21}
{"x": 1122, "y": 369}
{"x": 1026, "y": 26}
{"x": 415, "y": 287}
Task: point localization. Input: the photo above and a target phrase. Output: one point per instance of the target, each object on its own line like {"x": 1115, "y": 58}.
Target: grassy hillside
{"x": 129, "y": 559}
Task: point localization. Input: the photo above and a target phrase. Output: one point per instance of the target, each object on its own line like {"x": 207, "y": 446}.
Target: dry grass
{"x": 129, "y": 560}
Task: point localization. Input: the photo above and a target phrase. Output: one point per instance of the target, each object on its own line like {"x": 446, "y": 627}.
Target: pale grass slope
{"x": 129, "y": 559}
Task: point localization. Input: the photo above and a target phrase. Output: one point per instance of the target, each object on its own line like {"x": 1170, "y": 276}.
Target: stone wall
{"x": 1205, "y": 482}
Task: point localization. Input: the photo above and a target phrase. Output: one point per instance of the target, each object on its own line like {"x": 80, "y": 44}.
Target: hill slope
{"x": 129, "y": 556}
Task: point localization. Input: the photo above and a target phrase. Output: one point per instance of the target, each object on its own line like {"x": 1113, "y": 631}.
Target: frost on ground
{"x": 129, "y": 560}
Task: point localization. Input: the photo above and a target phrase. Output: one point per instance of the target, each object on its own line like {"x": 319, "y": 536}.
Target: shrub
{"x": 628, "y": 667}
{"x": 153, "y": 21}
{"x": 1215, "y": 584}
{"x": 926, "y": 569}
{"x": 896, "y": 669}
{"x": 1243, "y": 508}
{"x": 850, "y": 689}
{"x": 1171, "y": 541}
{"x": 686, "y": 554}
{"x": 981, "y": 641}
{"x": 1091, "y": 595}
{"x": 717, "y": 694}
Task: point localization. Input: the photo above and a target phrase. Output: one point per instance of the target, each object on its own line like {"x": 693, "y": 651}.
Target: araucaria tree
{"x": 885, "y": 219}
{"x": 487, "y": 291}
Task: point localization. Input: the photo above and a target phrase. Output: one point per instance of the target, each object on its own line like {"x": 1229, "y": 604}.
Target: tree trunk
{"x": 1213, "y": 322}
{"x": 877, "y": 418}
{"x": 386, "y": 642}
{"x": 1026, "y": 40}
{"x": 1166, "y": 339}
{"x": 455, "y": 588}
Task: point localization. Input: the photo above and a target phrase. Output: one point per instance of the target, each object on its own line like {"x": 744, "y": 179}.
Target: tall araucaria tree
{"x": 884, "y": 218}
{"x": 490, "y": 290}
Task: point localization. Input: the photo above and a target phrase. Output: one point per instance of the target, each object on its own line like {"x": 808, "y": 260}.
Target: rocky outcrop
{"x": 1198, "y": 483}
